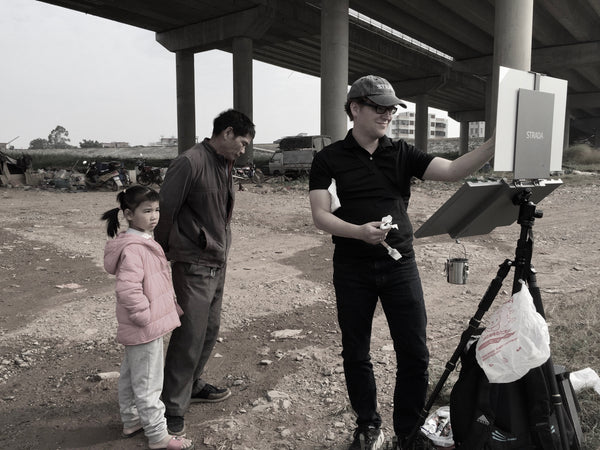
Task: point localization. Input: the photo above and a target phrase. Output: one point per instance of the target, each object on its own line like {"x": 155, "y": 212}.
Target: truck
{"x": 295, "y": 154}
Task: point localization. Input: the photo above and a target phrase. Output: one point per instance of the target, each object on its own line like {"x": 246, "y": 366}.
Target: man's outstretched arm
{"x": 441, "y": 169}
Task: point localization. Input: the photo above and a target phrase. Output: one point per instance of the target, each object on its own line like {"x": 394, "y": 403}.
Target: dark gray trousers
{"x": 199, "y": 291}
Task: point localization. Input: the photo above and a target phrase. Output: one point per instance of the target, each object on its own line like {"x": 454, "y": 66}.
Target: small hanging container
{"x": 457, "y": 269}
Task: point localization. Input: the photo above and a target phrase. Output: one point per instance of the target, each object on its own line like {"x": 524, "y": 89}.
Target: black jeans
{"x": 358, "y": 286}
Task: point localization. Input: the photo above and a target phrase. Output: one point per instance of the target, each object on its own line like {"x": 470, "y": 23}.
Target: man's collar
{"x": 210, "y": 148}
{"x": 208, "y": 145}
{"x": 350, "y": 142}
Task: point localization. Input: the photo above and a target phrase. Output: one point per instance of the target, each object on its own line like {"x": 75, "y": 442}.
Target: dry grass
{"x": 72, "y": 159}
{"x": 575, "y": 344}
{"x": 582, "y": 157}
{"x": 582, "y": 154}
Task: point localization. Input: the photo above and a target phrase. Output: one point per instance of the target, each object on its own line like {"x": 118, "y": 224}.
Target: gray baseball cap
{"x": 376, "y": 89}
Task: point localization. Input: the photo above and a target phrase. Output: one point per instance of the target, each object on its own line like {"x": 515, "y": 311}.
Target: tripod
{"x": 523, "y": 271}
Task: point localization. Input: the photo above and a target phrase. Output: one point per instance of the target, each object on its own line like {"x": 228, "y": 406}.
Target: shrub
{"x": 582, "y": 154}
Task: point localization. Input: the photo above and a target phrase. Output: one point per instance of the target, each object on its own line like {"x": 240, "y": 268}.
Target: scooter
{"x": 147, "y": 175}
{"x": 105, "y": 175}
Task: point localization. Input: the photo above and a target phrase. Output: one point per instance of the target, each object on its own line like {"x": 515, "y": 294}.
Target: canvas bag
{"x": 515, "y": 340}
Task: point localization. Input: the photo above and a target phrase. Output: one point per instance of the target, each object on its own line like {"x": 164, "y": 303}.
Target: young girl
{"x": 146, "y": 311}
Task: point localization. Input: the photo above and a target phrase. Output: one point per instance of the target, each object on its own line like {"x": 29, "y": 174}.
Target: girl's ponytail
{"x": 112, "y": 221}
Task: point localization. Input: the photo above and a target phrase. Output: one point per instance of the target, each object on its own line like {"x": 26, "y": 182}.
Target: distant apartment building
{"x": 168, "y": 142}
{"x": 476, "y": 129}
{"x": 403, "y": 126}
{"x": 114, "y": 144}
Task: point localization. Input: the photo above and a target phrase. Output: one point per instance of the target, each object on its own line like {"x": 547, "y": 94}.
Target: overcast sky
{"x": 106, "y": 81}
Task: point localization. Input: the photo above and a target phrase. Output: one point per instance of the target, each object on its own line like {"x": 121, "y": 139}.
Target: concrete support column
{"x": 489, "y": 101}
{"x": 186, "y": 100}
{"x": 421, "y": 122}
{"x": 513, "y": 28}
{"x": 567, "y": 133}
{"x": 242, "y": 86}
{"x": 334, "y": 67}
{"x": 463, "y": 144}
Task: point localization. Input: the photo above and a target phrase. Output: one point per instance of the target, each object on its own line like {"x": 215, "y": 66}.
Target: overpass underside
{"x": 437, "y": 53}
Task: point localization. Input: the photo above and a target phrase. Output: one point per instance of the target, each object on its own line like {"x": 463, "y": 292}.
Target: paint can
{"x": 457, "y": 269}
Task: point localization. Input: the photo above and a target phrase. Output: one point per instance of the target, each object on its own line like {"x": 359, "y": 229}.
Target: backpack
{"x": 507, "y": 416}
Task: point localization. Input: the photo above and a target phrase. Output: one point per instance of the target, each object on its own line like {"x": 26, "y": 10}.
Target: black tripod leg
{"x": 548, "y": 366}
{"x": 525, "y": 271}
{"x": 474, "y": 323}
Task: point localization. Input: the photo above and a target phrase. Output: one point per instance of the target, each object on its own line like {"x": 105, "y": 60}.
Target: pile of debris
{"x": 13, "y": 171}
{"x": 18, "y": 172}
{"x": 61, "y": 179}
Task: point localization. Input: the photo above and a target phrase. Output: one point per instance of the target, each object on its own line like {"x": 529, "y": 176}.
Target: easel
{"x": 529, "y": 140}
{"x": 523, "y": 271}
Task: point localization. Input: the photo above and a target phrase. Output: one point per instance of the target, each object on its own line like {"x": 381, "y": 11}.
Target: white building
{"x": 114, "y": 144}
{"x": 403, "y": 126}
{"x": 168, "y": 142}
{"x": 476, "y": 129}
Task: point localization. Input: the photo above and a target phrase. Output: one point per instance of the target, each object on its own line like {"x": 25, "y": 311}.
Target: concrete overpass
{"x": 341, "y": 40}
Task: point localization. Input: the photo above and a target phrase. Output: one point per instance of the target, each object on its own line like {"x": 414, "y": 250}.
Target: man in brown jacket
{"x": 196, "y": 202}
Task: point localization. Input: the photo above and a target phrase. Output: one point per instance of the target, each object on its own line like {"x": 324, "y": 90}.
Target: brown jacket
{"x": 196, "y": 202}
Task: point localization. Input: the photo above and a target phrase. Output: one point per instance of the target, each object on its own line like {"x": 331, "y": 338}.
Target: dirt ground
{"x": 279, "y": 349}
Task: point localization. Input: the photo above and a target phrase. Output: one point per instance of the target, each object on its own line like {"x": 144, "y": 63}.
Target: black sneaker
{"x": 420, "y": 442}
{"x": 175, "y": 425}
{"x": 395, "y": 444}
{"x": 370, "y": 438}
{"x": 210, "y": 394}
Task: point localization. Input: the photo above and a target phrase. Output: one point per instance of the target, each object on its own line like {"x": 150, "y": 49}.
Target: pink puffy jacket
{"x": 146, "y": 305}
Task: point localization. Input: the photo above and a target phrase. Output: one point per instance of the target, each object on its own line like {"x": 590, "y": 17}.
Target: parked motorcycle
{"x": 147, "y": 175}
{"x": 249, "y": 172}
{"x": 111, "y": 175}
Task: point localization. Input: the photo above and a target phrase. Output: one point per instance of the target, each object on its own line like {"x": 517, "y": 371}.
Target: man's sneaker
{"x": 370, "y": 438}
{"x": 210, "y": 394}
{"x": 175, "y": 425}
{"x": 395, "y": 444}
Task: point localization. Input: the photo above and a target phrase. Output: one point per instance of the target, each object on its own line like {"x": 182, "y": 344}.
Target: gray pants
{"x": 199, "y": 291}
{"x": 140, "y": 384}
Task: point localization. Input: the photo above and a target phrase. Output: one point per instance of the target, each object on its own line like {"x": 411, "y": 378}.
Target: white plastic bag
{"x": 515, "y": 340}
{"x": 585, "y": 378}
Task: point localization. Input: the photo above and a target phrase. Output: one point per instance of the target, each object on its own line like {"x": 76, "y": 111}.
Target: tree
{"x": 38, "y": 144}
{"x": 58, "y": 138}
{"x": 88, "y": 143}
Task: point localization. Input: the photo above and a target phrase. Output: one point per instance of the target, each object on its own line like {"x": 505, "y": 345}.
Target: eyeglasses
{"x": 379, "y": 109}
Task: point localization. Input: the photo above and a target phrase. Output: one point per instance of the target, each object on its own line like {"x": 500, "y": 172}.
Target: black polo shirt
{"x": 367, "y": 195}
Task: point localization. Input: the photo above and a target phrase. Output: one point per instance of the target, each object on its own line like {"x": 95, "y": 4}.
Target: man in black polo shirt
{"x": 374, "y": 260}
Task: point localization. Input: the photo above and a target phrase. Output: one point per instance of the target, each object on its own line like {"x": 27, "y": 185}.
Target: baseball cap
{"x": 376, "y": 89}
